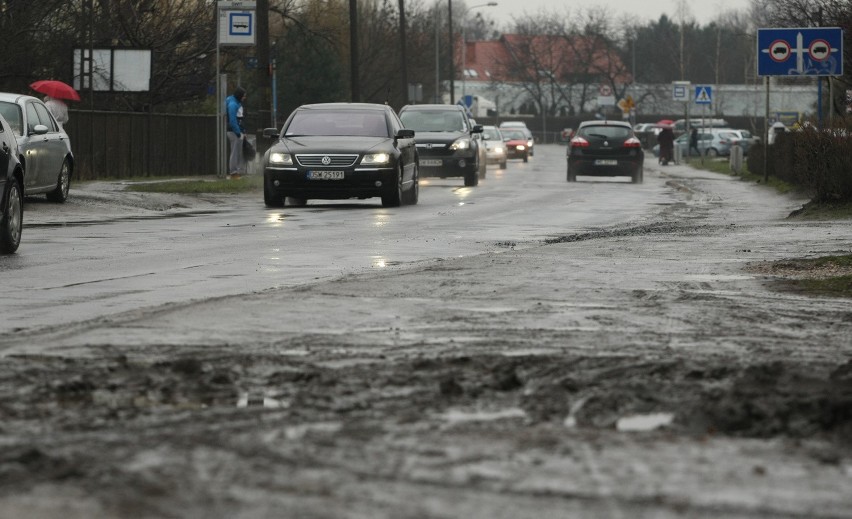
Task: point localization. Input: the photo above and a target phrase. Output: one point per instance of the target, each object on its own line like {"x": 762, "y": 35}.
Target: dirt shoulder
{"x": 640, "y": 371}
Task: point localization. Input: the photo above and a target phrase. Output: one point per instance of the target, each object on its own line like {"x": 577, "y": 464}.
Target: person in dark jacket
{"x": 666, "y": 142}
{"x": 693, "y": 142}
{"x": 235, "y": 132}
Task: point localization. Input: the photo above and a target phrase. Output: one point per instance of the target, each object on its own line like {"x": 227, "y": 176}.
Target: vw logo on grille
{"x": 326, "y": 160}
{"x": 428, "y": 145}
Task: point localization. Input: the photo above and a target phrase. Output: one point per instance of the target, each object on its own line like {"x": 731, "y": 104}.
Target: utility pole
{"x": 353, "y": 51}
{"x": 404, "y": 57}
{"x": 452, "y": 60}
{"x": 264, "y": 65}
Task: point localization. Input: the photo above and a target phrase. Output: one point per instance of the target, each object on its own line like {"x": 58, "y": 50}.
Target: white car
{"x": 495, "y": 147}
{"x": 44, "y": 147}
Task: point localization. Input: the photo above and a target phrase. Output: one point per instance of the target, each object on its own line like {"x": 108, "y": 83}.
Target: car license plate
{"x": 431, "y": 162}
{"x": 325, "y": 175}
{"x": 606, "y": 162}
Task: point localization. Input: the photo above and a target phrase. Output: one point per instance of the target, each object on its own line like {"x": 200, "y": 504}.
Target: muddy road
{"x": 600, "y": 350}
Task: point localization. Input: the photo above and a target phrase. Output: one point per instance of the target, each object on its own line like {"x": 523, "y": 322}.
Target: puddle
{"x": 255, "y": 400}
{"x": 137, "y": 218}
{"x": 644, "y": 422}
{"x": 298, "y": 432}
{"x": 455, "y": 416}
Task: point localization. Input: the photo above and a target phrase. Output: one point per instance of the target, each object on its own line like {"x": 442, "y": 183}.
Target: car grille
{"x": 317, "y": 160}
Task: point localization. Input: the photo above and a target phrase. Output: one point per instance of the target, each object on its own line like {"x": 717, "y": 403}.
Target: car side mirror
{"x": 405, "y": 133}
{"x": 270, "y": 133}
{"x": 477, "y": 128}
{"x": 39, "y": 129}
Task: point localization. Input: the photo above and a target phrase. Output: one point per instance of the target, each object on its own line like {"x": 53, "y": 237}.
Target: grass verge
{"x": 198, "y": 186}
{"x": 824, "y": 276}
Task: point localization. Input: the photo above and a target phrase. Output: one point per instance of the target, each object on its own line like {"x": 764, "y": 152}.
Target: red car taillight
{"x": 632, "y": 142}
{"x": 579, "y": 142}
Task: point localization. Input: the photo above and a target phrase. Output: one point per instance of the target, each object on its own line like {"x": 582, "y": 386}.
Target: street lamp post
{"x": 464, "y": 42}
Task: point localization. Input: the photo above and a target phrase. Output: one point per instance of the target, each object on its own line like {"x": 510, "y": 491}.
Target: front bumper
{"x": 356, "y": 183}
{"x": 454, "y": 166}
{"x": 592, "y": 166}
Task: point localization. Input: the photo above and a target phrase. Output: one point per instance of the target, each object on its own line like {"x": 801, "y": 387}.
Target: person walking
{"x": 666, "y": 142}
{"x": 235, "y": 132}
{"x": 693, "y": 142}
{"x": 58, "y": 109}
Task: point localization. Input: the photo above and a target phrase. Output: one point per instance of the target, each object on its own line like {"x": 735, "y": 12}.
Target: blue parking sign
{"x": 805, "y": 51}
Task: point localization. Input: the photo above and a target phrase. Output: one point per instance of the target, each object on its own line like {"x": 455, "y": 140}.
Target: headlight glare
{"x": 461, "y": 144}
{"x": 375, "y": 159}
{"x": 280, "y": 159}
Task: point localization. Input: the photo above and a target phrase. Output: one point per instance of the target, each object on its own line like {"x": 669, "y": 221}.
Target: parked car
{"x": 445, "y": 143}
{"x": 495, "y": 148}
{"x": 339, "y": 151}
{"x": 11, "y": 190}
{"x": 712, "y": 142}
{"x": 516, "y": 144}
{"x": 680, "y": 124}
{"x": 43, "y": 145}
{"x": 605, "y": 148}
{"x": 527, "y": 133}
{"x": 647, "y": 133}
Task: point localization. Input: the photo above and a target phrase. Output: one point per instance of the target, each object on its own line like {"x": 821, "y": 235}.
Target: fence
{"x": 127, "y": 144}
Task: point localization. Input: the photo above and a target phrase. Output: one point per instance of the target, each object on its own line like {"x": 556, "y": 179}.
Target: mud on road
{"x": 634, "y": 372}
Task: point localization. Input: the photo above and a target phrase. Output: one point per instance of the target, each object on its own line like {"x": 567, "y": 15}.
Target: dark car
{"x": 338, "y": 151}
{"x": 45, "y": 149}
{"x": 445, "y": 143}
{"x": 605, "y": 148}
{"x": 11, "y": 189}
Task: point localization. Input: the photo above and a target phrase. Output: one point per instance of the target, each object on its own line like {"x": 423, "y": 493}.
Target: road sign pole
{"x": 766, "y": 136}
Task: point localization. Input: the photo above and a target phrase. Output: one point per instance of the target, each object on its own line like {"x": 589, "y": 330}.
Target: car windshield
{"x": 491, "y": 134}
{"x": 513, "y": 134}
{"x": 307, "y": 123}
{"x": 433, "y": 121}
{"x": 605, "y": 132}
{"x": 12, "y": 113}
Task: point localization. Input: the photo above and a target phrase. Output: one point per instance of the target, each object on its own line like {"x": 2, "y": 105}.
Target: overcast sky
{"x": 703, "y": 11}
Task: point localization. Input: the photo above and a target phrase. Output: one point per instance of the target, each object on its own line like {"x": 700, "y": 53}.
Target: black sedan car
{"x": 337, "y": 151}
{"x": 607, "y": 149}
{"x": 11, "y": 189}
{"x": 445, "y": 141}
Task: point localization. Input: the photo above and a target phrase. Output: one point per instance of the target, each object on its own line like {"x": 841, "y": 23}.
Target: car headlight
{"x": 375, "y": 159}
{"x": 461, "y": 144}
{"x": 498, "y": 149}
{"x": 280, "y": 159}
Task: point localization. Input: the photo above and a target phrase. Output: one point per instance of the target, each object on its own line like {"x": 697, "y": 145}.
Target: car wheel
{"x": 269, "y": 196}
{"x": 471, "y": 179}
{"x": 394, "y": 198}
{"x": 413, "y": 193}
{"x": 638, "y": 176}
{"x": 63, "y": 184}
{"x": 503, "y": 165}
{"x": 13, "y": 216}
{"x": 712, "y": 152}
{"x": 296, "y": 202}
{"x": 526, "y": 157}
{"x": 571, "y": 177}
{"x": 483, "y": 169}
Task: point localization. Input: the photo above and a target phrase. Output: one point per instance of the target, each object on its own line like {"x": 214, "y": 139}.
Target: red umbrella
{"x": 665, "y": 122}
{"x": 56, "y": 89}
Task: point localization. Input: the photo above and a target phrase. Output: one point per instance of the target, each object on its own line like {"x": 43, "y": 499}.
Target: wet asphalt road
{"x": 71, "y": 269}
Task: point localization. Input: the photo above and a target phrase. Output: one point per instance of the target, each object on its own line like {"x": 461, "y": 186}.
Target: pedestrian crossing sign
{"x": 703, "y": 94}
